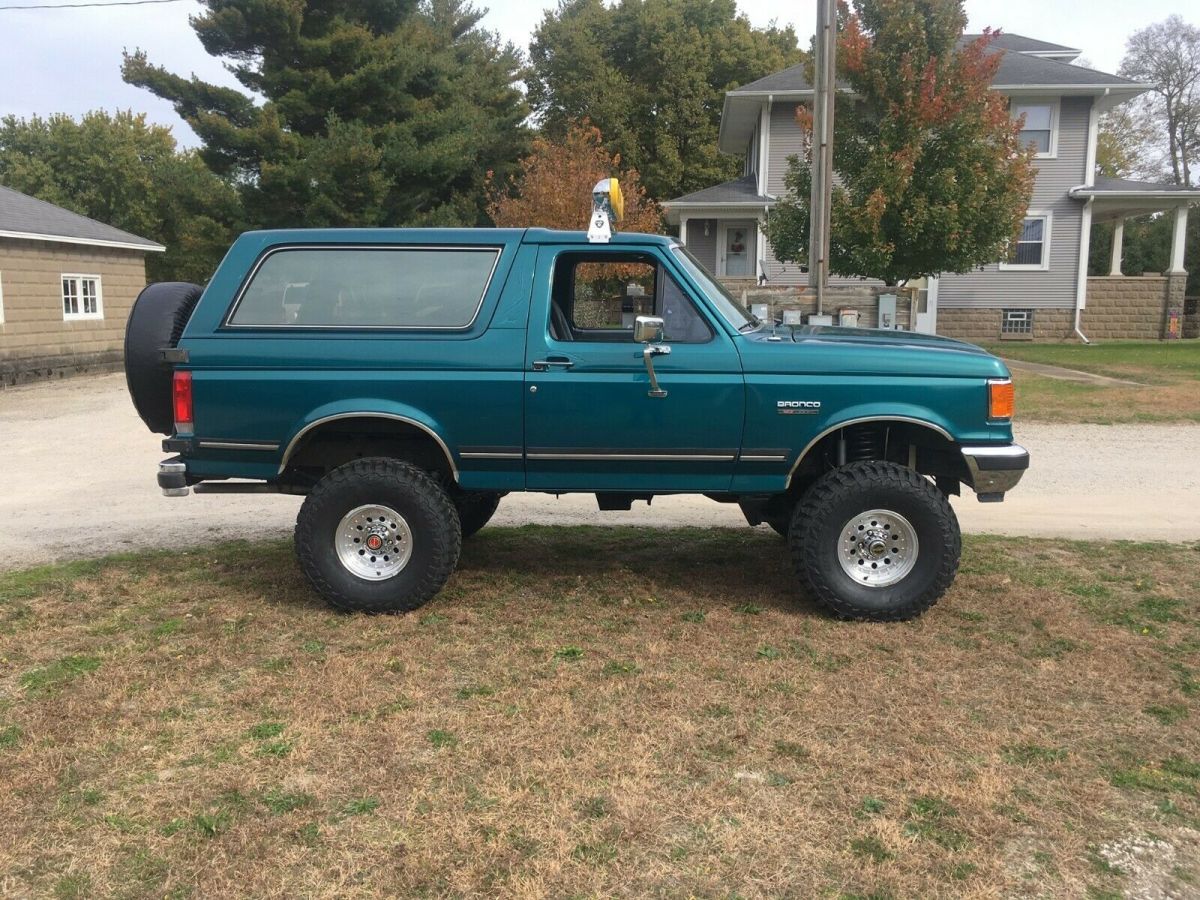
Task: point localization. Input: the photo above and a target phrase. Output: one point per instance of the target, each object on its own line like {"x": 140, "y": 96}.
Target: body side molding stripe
{"x": 238, "y": 445}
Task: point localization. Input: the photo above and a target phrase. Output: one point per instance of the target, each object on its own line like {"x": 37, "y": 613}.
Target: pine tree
{"x": 372, "y": 112}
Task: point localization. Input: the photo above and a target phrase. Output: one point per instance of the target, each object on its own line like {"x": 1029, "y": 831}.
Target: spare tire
{"x": 156, "y": 322}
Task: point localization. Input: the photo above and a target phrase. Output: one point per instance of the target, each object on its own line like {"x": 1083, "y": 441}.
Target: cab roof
{"x": 490, "y": 236}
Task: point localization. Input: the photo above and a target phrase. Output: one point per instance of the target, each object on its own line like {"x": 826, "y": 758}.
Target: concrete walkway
{"x": 1062, "y": 374}
{"x": 78, "y": 467}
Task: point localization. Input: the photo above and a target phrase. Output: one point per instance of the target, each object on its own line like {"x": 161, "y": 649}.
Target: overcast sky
{"x": 68, "y": 60}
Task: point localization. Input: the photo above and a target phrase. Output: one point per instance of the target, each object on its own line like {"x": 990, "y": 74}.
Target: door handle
{"x": 558, "y": 362}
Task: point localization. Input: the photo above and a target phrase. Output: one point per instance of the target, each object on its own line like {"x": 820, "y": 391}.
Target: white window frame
{"x": 79, "y": 278}
{"x": 1055, "y": 106}
{"x": 1, "y": 298}
{"x": 1047, "y": 230}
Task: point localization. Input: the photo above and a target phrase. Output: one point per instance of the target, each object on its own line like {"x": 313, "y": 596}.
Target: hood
{"x": 866, "y": 351}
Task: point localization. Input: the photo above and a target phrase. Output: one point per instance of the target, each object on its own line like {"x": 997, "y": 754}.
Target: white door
{"x": 925, "y": 308}
{"x": 736, "y": 255}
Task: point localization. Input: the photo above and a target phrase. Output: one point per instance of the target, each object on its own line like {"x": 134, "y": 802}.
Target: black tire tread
{"x": 816, "y": 506}
{"x": 157, "y": 320}
{"x": 446, "y": 546}
{"x": 475, "y": 509}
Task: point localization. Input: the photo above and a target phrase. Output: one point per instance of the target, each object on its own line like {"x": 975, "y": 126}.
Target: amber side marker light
{"x": 1002, "y": 399}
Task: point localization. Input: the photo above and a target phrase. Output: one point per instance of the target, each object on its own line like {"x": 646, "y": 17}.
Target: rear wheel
{"x": 875, "y": 540}
{"x": 377, "y": 535}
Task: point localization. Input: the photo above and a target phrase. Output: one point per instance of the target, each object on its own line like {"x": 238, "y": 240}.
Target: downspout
{"x": 1085, "y": 244}
{"x": 1085, "y": 228}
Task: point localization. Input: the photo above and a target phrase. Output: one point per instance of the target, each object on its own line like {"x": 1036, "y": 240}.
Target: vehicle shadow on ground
{"x": 587, "y": 565}
{"x": 681, "y": 566}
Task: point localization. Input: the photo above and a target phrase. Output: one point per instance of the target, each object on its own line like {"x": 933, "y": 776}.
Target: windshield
{"x": 732, "y": 311}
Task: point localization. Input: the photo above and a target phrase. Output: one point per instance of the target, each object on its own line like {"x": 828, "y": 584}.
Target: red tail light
{"x": 181, "y": 391}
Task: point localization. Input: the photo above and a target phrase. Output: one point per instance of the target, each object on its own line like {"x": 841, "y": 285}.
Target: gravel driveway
{"x": 77, "y": 471}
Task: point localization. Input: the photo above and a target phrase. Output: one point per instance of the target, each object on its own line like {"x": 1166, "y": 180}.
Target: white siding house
{"x": 1048, "y": 271}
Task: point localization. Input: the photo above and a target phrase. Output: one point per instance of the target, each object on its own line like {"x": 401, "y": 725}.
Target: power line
{"x": 87, "y": 5}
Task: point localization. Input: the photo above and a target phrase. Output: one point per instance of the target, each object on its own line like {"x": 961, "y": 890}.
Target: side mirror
{"x": 647, "y": 329}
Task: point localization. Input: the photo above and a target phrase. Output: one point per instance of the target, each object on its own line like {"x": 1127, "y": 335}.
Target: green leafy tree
{"x": 374, "y": 112}
{"x": 932, "y": 175}
{"x": 652, "y": 75}
{"x": 122, "y": 171}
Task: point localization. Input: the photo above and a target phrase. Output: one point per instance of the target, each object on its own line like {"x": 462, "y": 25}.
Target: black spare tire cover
{"x": 156, "y": 321}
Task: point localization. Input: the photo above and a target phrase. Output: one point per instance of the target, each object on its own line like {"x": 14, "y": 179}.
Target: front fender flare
{"x": 853, "y": 416}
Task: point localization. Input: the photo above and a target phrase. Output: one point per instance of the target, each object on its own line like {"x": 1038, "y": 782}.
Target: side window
{"x": 367, "y": 287}
{"x": 596, "y": 298}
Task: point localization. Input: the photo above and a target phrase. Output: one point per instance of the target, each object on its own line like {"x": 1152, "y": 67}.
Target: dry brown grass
{"x": 596, "y": 713}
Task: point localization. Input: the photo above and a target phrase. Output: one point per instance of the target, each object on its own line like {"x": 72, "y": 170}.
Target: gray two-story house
{"x": 1042, "y": 287}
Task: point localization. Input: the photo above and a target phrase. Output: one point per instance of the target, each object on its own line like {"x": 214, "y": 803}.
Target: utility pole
{"x": 821, "y": 200}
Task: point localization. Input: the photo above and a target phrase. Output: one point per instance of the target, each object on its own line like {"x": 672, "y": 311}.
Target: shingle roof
{"x": 740, "y": 190}
{"x": 1105, "y": 185}
{"x": 1017, "y": 68}
{"x": 25, "y": 216}
{"x": 1022, "y": 44}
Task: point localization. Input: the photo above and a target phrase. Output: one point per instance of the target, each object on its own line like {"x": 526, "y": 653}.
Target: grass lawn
{"x": 1170, "y": 373}
{"x": 602, "y": 712}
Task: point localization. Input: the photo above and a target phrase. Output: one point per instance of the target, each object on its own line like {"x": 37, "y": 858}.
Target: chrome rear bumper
{"x": 995, "y": 470}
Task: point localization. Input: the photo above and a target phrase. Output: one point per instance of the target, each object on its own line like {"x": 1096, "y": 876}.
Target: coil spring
{"x": 864, "y": 442}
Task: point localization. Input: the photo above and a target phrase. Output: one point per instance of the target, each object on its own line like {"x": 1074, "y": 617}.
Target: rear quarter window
{"x": 366, "y": 287}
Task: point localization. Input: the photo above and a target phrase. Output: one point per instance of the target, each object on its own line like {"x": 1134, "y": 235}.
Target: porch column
{"x": 683, "y": 230}
{"x": 1178, "y": 240}
{"x": 1118, "y": 243}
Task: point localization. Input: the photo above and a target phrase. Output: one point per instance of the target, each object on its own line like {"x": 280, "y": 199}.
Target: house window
{"x": 1031, "y": 250}
{"x": 1, "y": 298}
{"x": 81, "y": 297}
{"x": 1016, "y": 323}
{"x": 1040, "y": 127}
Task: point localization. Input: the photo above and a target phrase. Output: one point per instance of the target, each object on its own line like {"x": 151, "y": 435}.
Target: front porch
{"x": 722, "y": 227}
{"x": 1144, "y": 306}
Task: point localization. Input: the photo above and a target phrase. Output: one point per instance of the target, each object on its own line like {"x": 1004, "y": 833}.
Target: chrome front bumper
{"x": 995, "y": 470}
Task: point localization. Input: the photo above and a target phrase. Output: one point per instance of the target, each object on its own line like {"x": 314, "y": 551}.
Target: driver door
{"x": 591, "y": 423}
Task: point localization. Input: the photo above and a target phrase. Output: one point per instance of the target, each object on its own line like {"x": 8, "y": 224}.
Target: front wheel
{"x": 875, "y": 540}
{"x": 377, "y": 535}
{"x": 475, "y": 509}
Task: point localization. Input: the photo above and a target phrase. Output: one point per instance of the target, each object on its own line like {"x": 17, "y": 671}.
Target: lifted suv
{"x": 404, "y": 381}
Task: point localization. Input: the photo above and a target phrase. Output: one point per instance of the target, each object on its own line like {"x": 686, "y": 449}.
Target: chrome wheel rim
{"x": 878, "y": 548}
{"x": 373, "y": 542}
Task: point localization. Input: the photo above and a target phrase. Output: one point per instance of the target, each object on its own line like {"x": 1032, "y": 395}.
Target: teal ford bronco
{"x": 404, "y": 381}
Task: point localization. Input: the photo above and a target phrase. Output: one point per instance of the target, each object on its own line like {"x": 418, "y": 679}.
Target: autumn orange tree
{"x": 553, "y": 186}
{"x": 932, "y": 175}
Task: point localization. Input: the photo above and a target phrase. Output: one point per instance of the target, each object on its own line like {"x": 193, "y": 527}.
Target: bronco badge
{"x": 798, "y": 407}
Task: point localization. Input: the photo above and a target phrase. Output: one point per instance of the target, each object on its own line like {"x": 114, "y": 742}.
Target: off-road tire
{"x": 159, "y": 315}
{"x": 781, "y": 525}
{"x": 413, "y": 494}
{"x": 838, "y": 496}
{"x": 475, "y": 509}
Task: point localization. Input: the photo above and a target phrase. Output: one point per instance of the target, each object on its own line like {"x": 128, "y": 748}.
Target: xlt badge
{"x": 797, "y": 407}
